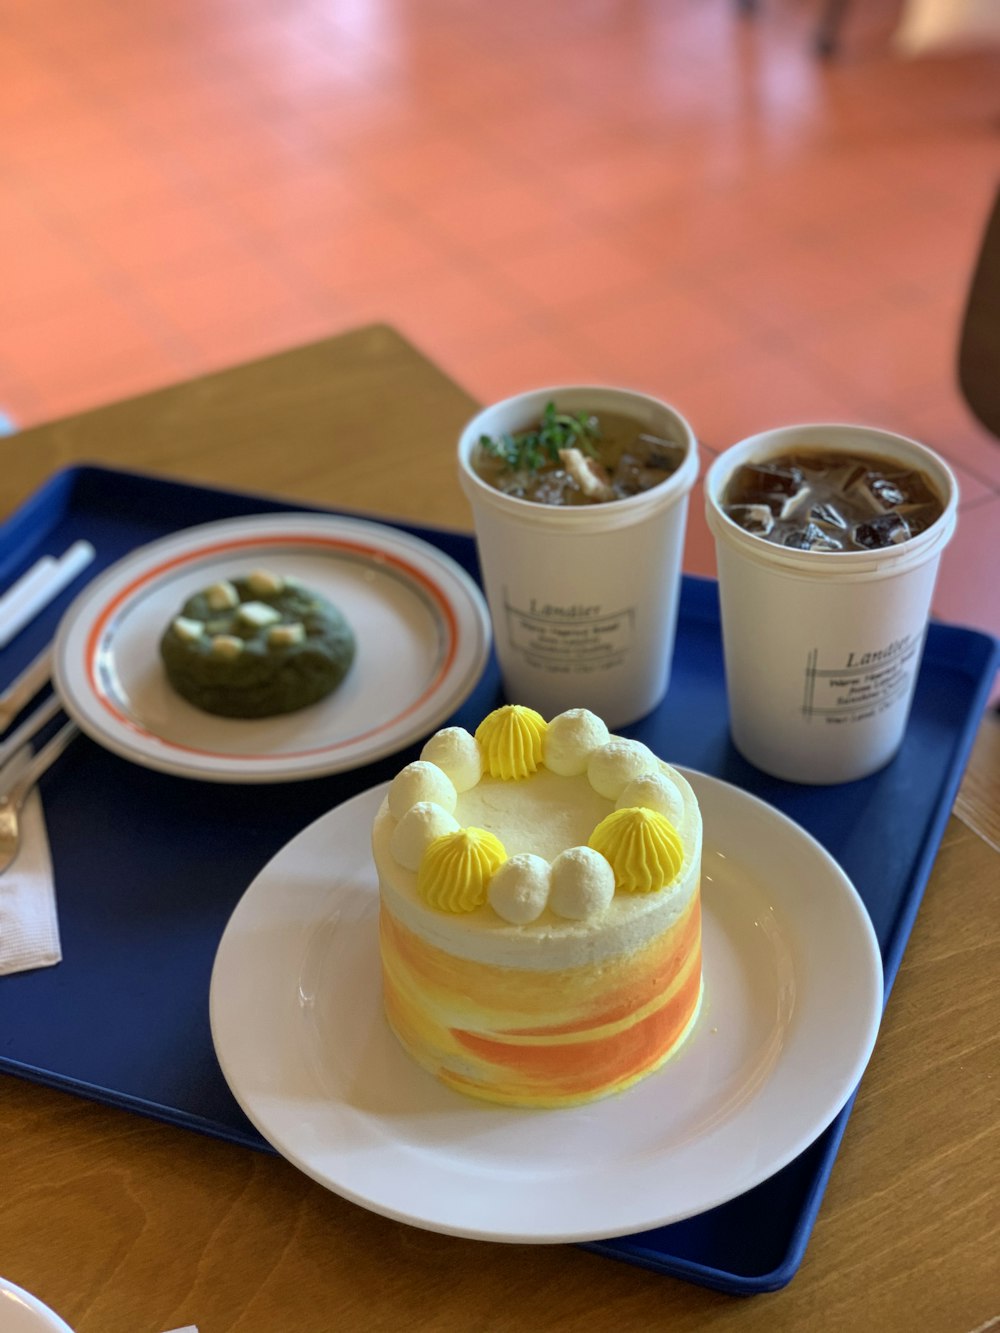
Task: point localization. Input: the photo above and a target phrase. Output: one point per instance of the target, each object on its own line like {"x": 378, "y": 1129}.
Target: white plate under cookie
{"x": 793, "y": 998}
{"x": 421, "y": 626}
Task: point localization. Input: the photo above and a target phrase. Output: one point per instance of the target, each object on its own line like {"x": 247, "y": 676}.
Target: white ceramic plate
{"x": 793, "y": 998}
{"x": 20, "y": 1312}
{"x": 421, "y": 625}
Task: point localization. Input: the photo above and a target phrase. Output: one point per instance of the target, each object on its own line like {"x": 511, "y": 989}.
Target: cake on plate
{"x": 540, "y": 914}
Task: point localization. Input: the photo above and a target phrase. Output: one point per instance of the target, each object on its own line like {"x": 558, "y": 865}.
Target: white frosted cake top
{"x": 530, "y": 886}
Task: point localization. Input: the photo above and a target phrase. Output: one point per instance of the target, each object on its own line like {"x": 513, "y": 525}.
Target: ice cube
{"x": 920, "y": 517}
{"x": 753, "y": 518}
{"x": 853, "y": 477}
{"x": 812, "y": 538}
{"x": 913, "y": 488}
{"x": 556, "y": 487}
{"x": 885, "y": 530}
{"x": 885, "y": 491}
{"x": 764, "y": 483}
{"x": 632, "y": 475}
{"x": 664, "y": 455}
{"x": 828, "y": 514}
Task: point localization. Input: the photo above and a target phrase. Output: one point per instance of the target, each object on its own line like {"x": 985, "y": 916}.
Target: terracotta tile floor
{"x": 663, "y": 194}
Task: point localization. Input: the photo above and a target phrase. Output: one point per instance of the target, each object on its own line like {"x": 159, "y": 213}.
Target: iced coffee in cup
{"x": 828, "y": 541}
{"x": 579, "y": 497}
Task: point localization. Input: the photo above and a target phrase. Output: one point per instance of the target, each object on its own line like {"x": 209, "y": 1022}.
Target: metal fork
{"x": 12, "y": 801}
{"x": 44, "y": 713}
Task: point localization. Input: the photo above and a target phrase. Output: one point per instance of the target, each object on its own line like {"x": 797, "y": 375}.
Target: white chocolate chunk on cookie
{"x": 187, "y": 629}
{"x": 227, "y": 646}
{"x": 285, "y": 636}
{"x": 221, "y": 596}
{"x": 258, "y": 614}
{"x": 262, "y": 583}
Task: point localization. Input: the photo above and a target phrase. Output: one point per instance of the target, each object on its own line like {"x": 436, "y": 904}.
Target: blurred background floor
{"x": 666, "y": 194}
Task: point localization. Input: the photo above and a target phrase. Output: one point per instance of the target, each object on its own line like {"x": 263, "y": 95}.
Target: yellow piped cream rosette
{"x": 540, "y": 923}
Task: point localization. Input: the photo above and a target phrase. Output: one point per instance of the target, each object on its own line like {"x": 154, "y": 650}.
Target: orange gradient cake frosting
{"x": 540, "y": 922}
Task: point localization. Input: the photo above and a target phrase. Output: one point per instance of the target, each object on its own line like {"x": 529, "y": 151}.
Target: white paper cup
{"x": 583, "y": 598}
{"x": 822, "y": 648}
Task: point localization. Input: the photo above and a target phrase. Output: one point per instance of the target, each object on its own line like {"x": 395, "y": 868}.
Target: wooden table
{"x": 125, "y": 1225}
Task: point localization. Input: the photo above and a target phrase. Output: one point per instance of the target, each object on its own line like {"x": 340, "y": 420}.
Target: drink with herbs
{"x": 576, "y": 459}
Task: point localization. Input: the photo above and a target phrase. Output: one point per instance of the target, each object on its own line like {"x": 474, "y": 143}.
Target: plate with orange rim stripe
{"x": 779, "y": 1046}
{"x": 420, "y": 623}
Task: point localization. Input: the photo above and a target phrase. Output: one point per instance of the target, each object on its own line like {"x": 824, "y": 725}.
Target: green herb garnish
{"x": 532, "y": 448}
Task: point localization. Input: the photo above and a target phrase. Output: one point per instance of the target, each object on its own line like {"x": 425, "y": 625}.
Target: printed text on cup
{"x": 866, "y": 682}
{"x": 575, "y": 638}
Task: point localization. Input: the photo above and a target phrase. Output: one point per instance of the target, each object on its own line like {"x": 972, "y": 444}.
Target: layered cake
{"x": 256, "y": 647}
{"x": 540, "y": 916}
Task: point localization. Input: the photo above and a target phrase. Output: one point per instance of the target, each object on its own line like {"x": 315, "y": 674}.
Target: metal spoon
{"x": 12, "y": 801}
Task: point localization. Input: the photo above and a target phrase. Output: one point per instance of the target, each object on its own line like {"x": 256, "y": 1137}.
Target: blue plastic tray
{"x": 124, "y": 1018}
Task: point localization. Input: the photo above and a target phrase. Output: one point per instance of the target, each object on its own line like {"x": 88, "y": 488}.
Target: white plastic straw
{"x": 42, "y": 583}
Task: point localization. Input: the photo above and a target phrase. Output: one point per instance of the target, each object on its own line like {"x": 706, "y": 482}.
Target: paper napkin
{"x": 29, "y": 926}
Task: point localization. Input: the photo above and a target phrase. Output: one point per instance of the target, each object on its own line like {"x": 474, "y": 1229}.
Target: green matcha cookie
{"x": 256, "y": 646}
